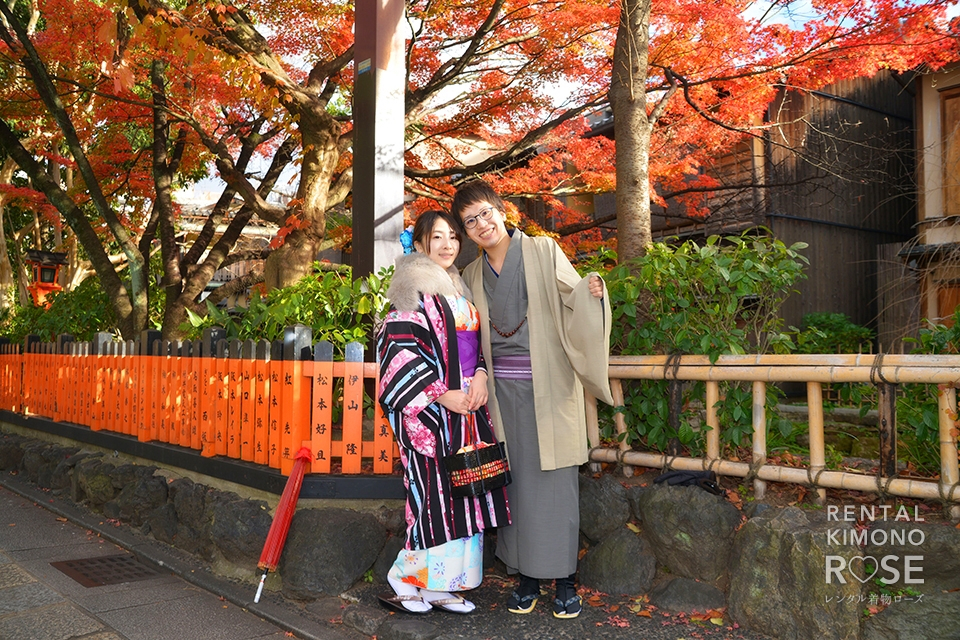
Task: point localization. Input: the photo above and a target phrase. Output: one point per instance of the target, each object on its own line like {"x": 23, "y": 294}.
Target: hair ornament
{"x": 406, "y": 239}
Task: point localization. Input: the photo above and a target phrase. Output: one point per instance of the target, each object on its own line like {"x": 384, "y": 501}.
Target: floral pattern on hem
{"x": 452, "y": 566}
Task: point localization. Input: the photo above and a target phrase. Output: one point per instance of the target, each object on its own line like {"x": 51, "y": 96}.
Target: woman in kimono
{"x": 545, "y": 336}
{"x": 433, "y": 391}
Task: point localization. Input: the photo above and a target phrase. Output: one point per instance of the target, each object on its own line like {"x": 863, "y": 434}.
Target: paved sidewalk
{"x": 38, "y": 601}
{"x": 182, "y": 600}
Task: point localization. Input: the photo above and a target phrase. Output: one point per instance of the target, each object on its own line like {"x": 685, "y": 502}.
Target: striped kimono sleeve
{"x": 410, "y": 380}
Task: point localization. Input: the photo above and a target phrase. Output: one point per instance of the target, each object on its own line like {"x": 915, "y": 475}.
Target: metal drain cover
{"x": 104, "y": 570}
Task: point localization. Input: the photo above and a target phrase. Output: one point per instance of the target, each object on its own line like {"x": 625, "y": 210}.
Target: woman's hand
{"x": 477, "y": 394}
{"x": 456, "y": 401}
{"x": 596, "y": 286}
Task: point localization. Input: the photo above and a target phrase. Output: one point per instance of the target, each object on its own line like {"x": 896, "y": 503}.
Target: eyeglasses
{"x": 471, "y": 222}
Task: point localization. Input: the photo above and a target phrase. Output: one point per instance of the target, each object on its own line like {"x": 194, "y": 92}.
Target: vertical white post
{"x": 759, "y": 434}
{"x": 949, "y": 471}
{"x": 713, "y": 433}
{"x": 815, "y": 419}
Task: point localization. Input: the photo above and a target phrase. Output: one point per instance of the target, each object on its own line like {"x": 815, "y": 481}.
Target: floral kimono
{"x": 427, "y": 346}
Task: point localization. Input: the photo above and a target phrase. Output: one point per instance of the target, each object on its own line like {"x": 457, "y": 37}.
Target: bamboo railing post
{"x": 887, "y": 410}
{"x": 949, "y": 471}
{"x": 674, "y": 409}
{"x": 817, "y": 448}
{"x": 712, "y": 420}
{"x": 759, "y": 435}
{"x": 616, "y": 389}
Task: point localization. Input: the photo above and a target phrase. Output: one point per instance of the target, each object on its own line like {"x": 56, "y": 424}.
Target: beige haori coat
{"x": 569, "y": 349}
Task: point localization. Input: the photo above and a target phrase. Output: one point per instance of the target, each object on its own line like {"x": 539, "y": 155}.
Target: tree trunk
{"x": 7, "y": 281}
{"x": 294, "y": 259}
{"x": 632, "y": 128}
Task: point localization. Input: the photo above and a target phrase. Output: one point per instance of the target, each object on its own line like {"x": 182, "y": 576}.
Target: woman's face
{"x": 442, "y": 244}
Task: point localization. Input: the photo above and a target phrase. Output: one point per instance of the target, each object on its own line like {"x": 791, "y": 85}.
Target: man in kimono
{"x": 546, "y": 332}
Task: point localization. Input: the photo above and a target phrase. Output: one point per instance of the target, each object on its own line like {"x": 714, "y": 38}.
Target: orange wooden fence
{"x": 254, "y": 401}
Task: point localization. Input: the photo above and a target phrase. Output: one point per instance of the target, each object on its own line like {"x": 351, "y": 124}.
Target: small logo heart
{"x": 864, "y": 566}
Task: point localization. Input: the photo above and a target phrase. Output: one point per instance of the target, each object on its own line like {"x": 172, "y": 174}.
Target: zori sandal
{"x": 444, "y": 604}
{"x": 567, "y": 609}
{"x": 395, "y": 603}
{"x": 522, "y": 604}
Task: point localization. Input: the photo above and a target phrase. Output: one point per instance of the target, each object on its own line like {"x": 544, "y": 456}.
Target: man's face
{"x": 484, "y": 224}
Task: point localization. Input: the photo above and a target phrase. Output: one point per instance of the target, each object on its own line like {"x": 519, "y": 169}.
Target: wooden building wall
{"x": 850, "y": 189}
{"x": 835, "y": 172}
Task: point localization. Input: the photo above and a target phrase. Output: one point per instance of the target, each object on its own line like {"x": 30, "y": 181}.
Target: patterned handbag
{"x": 477, "y": 468}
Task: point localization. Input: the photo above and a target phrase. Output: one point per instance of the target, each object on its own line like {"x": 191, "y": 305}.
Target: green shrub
{"x": 81, "y": 313}
{"x": 832, "y": 333}
{"x": 918, "y": 412}
{"x": 720, "y": 298}
{"x": 337, "y": 308}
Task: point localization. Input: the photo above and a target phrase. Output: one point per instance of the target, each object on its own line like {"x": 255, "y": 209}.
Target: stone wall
{"x": 686, "y": 549}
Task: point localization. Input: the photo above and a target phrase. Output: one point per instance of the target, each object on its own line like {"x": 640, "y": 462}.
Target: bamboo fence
{"x": 885, "y": 371}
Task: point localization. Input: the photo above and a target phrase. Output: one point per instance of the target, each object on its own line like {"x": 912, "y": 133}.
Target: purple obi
{"x": 468, "y": 343}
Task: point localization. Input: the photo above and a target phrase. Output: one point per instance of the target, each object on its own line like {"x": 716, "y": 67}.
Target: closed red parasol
{"x": 277, "y": 535}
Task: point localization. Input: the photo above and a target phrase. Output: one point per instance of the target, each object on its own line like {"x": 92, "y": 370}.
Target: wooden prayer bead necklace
{"x": 507, "y": 335}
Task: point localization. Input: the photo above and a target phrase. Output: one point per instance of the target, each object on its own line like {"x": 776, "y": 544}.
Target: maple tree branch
{"x": 163, "y": 180}
{"x": 237, "y": 180}
{"x": 244, "y": 256}
{"x": 44, "y": 84}
{"x": 570, "y": 229}
{"x": 752, "y": 132}
{"x": 515, "y": 153}
{"x": 661, "y": 105}
{"x": 231, "y": 287}
{"x": 445, "y": 74}
{"x": 77, "y": 220}
{"x": 322, "y": 72}
{"x": 340, "y": 188}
